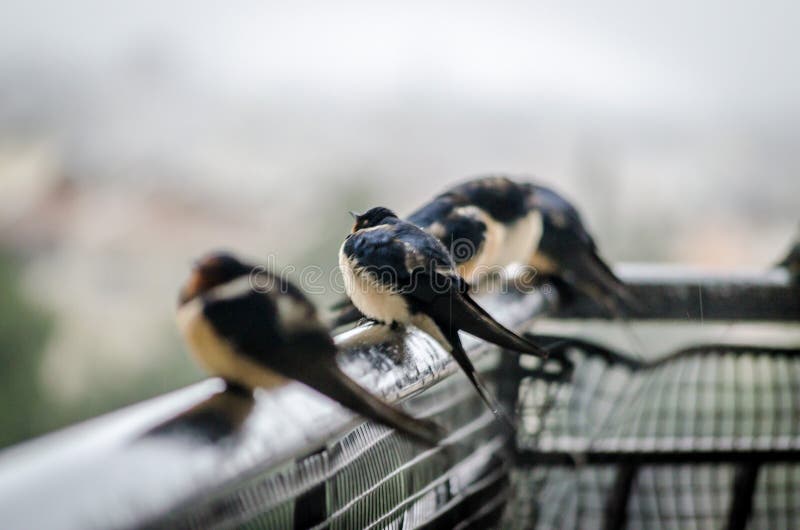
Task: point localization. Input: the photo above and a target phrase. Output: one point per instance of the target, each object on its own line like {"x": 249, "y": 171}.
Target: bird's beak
{"x": 354, "y": 215}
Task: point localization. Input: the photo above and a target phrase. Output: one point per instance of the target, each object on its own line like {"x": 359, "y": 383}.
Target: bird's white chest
{"x": 484, "y": 263}
{"x": 521, "y": 239}
{"x": 371, "y": 297}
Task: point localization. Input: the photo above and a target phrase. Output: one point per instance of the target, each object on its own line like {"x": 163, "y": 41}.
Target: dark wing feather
{"x": 567, "y": 243}
{"x": 437, "y": 290}
{"x": 328, "y": 379}
{"x": 463, "y": 235}
{"x": 249, "y": 322}
{"x": 397, "y": 253}
{"x": 500, "y": 196}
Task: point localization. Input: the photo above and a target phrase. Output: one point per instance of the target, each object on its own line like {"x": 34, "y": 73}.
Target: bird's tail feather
{"x": 338, "y": 386}
{"x": 462, "y": 312}
{"x": 616, "y": 295}
{"x": 468, "y": 368}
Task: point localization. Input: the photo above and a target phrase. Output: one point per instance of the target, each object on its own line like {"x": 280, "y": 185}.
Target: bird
{"x": 397, "y": 274}
{"x": 475, "y": 239}
{"x": 256, "y": 329}
{"x": 791, "y": 262}
{"x": 484, "y": 224}
{"x": 531, "y": 225}
{"x": 492, "y": 222}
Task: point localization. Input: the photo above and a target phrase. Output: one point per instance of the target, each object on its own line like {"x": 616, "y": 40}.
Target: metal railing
{"x": 204, "y": 457}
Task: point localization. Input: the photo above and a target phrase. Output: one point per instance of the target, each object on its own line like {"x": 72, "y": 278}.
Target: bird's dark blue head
{"x": 210, "y": 271}
{"x": 372, "y": 217}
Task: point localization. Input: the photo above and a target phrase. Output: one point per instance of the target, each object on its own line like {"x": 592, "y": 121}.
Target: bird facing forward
{"x": 397, "y": 274}
{"x": 261, "y": 331}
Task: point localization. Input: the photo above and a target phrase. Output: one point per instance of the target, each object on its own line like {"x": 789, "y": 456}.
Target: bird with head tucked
{"x": 255, "y": 329}
{"x": 398, "y": 274}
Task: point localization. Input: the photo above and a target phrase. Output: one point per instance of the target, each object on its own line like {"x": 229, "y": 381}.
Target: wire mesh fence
{"x": 703, "y": 438}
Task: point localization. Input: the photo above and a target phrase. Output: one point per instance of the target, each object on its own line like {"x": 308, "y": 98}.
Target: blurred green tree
{"x": 24, "y": 329}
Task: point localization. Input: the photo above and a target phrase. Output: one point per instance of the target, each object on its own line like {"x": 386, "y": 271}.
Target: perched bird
{"x": 792, "y": 260}
{"x": 486, "y": 223}
{"x": 261, "y": 331}
{"x": 527, "y": 224}
{"x": 398, "y": 274}
{"x": 490, "y": 223}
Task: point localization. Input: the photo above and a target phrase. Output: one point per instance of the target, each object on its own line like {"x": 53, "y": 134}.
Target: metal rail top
{"x": 116, "y": 471}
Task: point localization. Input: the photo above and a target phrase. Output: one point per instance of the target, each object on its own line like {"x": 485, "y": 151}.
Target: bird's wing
{"x": 433, "y": 287}
{"x": 249, "y": 322}
{"x": 560, "y": 216}
{"x": 499, "y": 196}
{"x": 462, "y": 234}
{"x": 431, "y": 212}
{"x": 566, "y": 241}
{"x": 397, "y": 253}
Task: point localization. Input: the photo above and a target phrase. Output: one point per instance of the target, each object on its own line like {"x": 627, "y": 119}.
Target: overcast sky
{"x": 710, "y": 57}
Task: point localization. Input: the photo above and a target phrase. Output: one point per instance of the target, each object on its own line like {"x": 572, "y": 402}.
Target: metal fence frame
{"x": 116, "y": 471}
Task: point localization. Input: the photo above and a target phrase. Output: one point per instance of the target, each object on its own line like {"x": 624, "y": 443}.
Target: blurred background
{"x": 134, "y": 136}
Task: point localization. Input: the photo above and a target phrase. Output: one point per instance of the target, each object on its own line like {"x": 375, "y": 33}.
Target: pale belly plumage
{"x": 521, "y": 240}
{"x": 484, "y": 264}
{"x": 372, "y": 298}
